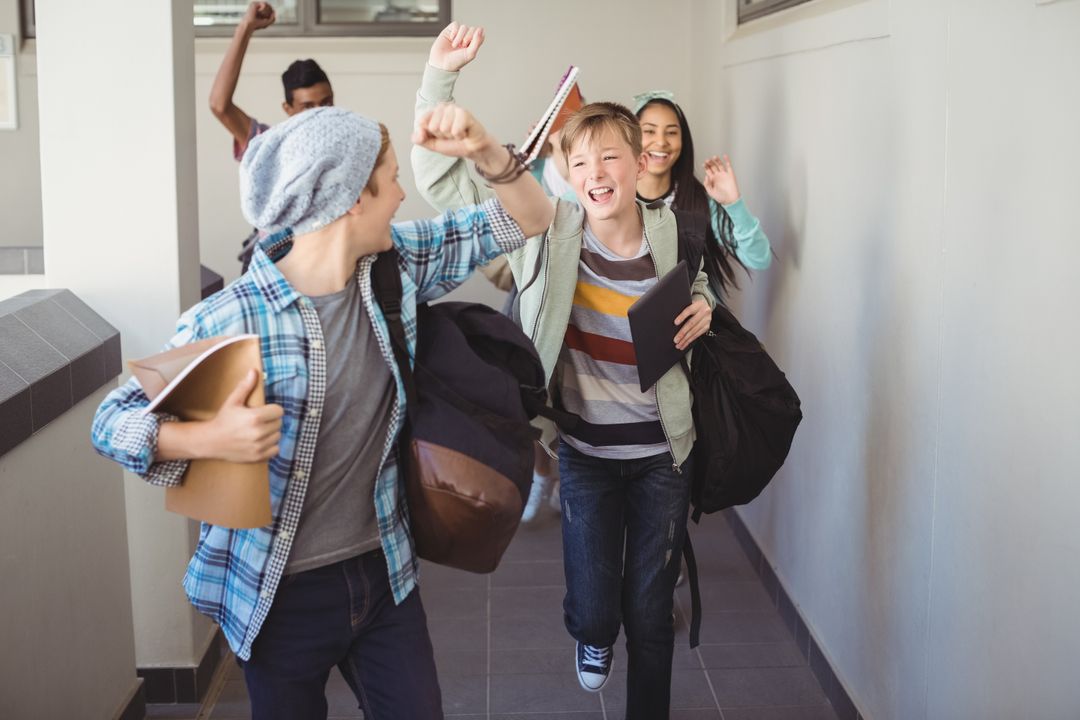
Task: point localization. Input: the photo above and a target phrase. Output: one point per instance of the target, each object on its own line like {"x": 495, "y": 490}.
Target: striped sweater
{"x": 597, "y": 364}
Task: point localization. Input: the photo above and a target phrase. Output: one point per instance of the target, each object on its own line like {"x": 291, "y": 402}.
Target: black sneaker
{"x": 593, "y": 666}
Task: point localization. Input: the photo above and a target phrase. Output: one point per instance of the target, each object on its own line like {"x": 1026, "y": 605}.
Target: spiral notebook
{"x": 566, "y": 102}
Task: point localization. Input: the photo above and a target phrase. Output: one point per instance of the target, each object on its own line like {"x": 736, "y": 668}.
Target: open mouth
{"x": 658, "y": 156}
{"x": 601, "y": 195}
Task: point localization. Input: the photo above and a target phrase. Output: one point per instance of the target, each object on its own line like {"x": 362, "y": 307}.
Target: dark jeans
{"x": 344, "y": 615}
{"x": 640, "y": 505}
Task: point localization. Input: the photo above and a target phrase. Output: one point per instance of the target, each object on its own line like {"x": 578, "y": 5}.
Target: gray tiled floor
{"x": 503, "y": 653}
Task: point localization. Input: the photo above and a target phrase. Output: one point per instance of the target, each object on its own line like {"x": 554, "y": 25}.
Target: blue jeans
{"x": 640, "y": 506}
{"x": 343, "y": 614}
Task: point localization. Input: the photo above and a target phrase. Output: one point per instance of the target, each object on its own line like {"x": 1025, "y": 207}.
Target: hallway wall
{"x": 914, "y": 164}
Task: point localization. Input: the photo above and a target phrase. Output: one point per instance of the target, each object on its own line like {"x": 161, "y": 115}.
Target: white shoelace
{"x": 595, "y": 656}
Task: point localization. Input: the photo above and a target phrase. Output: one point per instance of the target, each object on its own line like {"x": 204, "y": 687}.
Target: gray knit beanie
{"x": 308, "y": 171}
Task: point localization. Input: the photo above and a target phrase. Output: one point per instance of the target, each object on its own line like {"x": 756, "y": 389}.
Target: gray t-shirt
{"x": 338, "y": 520}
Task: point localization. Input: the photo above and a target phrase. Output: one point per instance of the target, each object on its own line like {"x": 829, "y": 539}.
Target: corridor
{"x": 503, "y": 653}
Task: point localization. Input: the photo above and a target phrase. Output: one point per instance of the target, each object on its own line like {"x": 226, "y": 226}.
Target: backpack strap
{"x": 386, "y": 282}
{"x": 693, "y": 229}
{"x": 566, "y": 421}
{"x": 695, "y": 592}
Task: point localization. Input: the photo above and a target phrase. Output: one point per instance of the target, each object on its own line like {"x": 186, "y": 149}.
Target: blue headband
{"x": 643, "y": 99}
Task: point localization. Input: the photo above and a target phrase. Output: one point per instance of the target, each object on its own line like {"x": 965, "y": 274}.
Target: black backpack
{"x": 745, "y": 410}
{"x": 466, "y": 449}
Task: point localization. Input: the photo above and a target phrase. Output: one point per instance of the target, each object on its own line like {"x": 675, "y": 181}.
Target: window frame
{"x": 306, "y": 25}
{"x": 750, "y": 10}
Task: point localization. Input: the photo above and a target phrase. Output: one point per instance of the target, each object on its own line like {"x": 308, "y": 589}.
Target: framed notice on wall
{"x": 9, "y": 112}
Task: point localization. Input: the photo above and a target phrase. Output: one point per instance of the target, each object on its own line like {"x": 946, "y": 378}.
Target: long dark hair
{"x": 720, "y": 258}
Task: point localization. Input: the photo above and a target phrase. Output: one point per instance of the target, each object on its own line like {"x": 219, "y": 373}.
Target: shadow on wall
{"x": 899, "y": 384}
{"x": 850, "y": 375}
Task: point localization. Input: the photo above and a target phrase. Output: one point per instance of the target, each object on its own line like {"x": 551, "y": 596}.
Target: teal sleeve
{"x": 537, "y": 171}
{"x": 751, "y": 244}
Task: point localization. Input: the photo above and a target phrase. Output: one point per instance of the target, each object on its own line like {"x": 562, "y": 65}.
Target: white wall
{"x": 68, "y": 647}
{"x": 1005, "y": 579}
{"x": 20, "y": 173}
{"x": 915, "y": 164}
{"x": 12, "y": 285}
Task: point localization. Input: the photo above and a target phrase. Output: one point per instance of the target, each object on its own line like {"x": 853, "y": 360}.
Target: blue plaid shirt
{"x": 234, "y": 574}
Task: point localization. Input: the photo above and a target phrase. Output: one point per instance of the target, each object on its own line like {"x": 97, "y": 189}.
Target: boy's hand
{"x": 698, "y": 316}
{"x": 259, "y": 15}
{"x": 455, "y": 47}
{"x": 720, "y": 180}
{"x": 242, "y": 434}
{"x": 452, "y": 130}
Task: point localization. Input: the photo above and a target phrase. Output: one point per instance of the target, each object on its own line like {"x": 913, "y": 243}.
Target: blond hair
{"x": 384, "y": 145}
{"x": 593, "y": 119}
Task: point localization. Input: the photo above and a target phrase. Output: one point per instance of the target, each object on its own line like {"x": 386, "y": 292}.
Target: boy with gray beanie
{"x": 331, "y": 581}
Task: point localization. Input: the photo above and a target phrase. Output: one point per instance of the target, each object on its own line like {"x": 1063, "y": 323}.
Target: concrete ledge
{"x": 54, "y": 351}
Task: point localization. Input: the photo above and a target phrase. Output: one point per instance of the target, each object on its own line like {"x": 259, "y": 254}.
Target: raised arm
{"x": 440, "y": 254}
{"x": 455, "y": 47}
{"x": 452, "y": 131}
{"x": 443, "y": 181}
{"x": 751, "y": 244}
{"x": 258, "y": 15}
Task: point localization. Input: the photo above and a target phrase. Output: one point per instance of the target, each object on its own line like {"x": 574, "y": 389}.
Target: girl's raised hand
{"x": 720, "y": 180}
{"x": 456, "y": 46}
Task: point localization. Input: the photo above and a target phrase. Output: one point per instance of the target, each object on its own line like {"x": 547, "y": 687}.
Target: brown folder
{"x": 192, "y": 382}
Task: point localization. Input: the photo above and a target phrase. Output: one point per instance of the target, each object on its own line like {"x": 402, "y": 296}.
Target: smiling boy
{"x": 625, "y": 467}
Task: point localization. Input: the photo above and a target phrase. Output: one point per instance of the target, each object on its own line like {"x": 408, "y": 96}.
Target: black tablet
{"x": 653, "y": 328}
